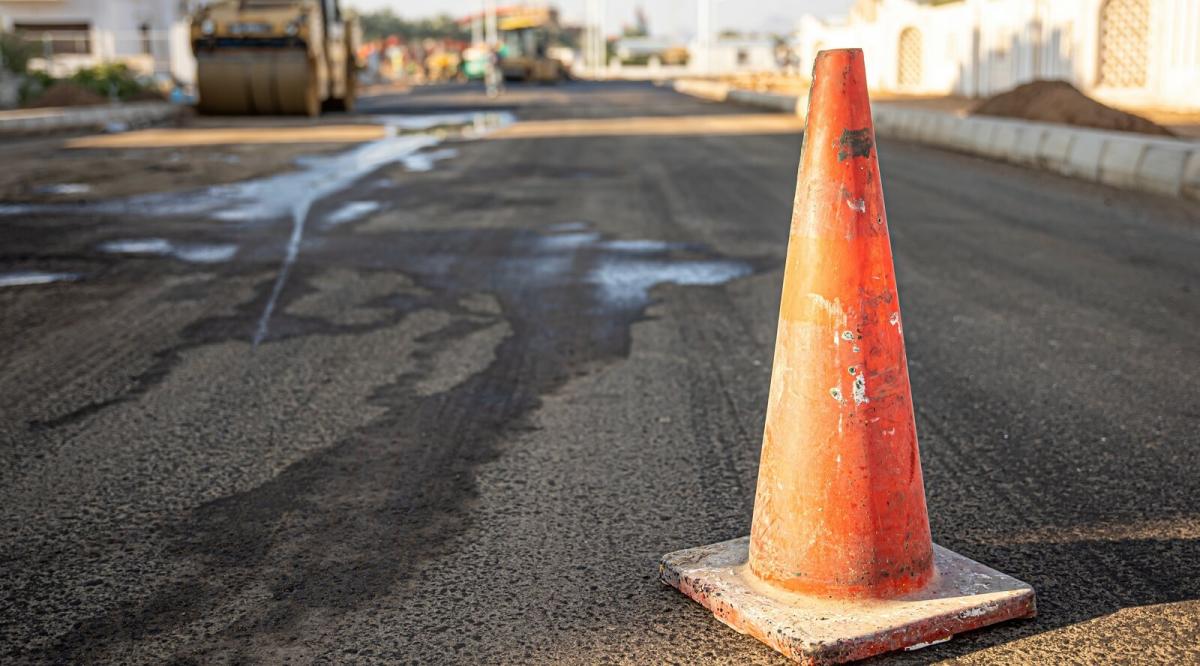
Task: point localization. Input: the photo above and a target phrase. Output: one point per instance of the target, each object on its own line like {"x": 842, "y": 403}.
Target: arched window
{"x": 1124, "y": 43}
{"x": 908, "y": 73}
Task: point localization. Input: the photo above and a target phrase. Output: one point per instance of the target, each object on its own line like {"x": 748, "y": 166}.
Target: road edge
{"x": 27, "y": 122}
{"x": 1122, "y": 159}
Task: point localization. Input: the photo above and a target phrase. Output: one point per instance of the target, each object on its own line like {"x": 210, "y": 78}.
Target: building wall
{"x": 980, "y": 47}
{"x": 728, "y": 56}
{"x": 116, "y": 33}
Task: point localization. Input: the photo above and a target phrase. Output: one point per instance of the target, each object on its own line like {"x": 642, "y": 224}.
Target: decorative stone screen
{"x": 1124, "y": 43}
{"x": 909, "y": 61}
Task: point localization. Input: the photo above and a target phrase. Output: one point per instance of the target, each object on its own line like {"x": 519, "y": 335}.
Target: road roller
{"x": 528, "y": 33}
{"x": 274, "y": 57}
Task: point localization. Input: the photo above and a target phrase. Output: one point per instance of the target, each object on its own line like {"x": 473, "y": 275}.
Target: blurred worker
{"x": 395, "y": 57}
{"x": 493, "y": 78}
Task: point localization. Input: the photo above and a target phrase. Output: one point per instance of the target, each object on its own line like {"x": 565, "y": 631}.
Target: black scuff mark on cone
{"x": 855, "y": 143}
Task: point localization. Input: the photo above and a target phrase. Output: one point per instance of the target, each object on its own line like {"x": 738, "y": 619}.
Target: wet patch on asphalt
{"x": 548, "y": 306}
{"x": 351, "y": 211}
{"x": 288, "y": 195}
{"x": 26, "y": 278}
{"x": 196, "y": 253}
{"x": 65, "y": 189}
{"x": 426, "y": 160}
{"x": 531, "y": 309}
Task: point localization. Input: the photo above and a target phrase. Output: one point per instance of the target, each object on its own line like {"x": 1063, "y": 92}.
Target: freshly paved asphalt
{"x": 470, "y": 431}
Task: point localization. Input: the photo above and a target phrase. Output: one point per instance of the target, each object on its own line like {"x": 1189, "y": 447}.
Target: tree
{"x": 385, "y": 23}
{"x": 15, "y": 52}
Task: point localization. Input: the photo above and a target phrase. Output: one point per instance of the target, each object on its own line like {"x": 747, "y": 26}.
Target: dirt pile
{"x": 146, "y": 95}
{"x": 1061, "y": 102}
{"x": 66, "y": 93}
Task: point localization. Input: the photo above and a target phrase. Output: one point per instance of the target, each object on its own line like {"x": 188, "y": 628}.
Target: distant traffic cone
{"x": 839, "y": 564}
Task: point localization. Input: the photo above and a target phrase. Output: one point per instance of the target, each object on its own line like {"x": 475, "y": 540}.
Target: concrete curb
{"x": 1122, "y": 159}
{"x": 785, "y": 103}
{"x": 60, "y": 119}
{"x": 710, "y": 90}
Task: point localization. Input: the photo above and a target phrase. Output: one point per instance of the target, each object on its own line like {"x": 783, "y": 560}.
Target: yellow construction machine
{"x": 527, "y": 35}
{"x": 274, "y": 56}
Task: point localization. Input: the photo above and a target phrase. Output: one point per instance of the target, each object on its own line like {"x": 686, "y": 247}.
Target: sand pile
{"x": 1061, "y": 102}
{"x": 66, "y": 93}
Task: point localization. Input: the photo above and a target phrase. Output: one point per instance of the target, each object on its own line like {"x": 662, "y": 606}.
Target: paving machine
{"x": 274, "y": 56}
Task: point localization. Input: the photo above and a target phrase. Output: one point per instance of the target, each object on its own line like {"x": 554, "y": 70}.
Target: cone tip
{"x": 853, "y": 53}
{"x": 833, "y": 59}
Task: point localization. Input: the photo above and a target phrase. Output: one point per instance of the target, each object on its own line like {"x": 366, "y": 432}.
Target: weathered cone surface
{"x": 840, "y": 505}
{"x": 839, "y": 564}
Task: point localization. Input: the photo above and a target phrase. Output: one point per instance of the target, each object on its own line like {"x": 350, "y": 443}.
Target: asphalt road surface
{"x": 458, "y": 411}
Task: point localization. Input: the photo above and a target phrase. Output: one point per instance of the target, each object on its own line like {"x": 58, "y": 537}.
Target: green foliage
{"x": 14, "y": 53}
{"x": 34, "y": 84}
{"x": 109, "y": 80}
{"x": 114, "y": 81}
{"x": 385, "y": 23}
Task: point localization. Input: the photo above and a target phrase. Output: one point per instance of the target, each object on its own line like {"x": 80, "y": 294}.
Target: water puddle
{"x": 623, "y": 271}
{"x": 156, "y": 246}
{"x": 473, "y": 123}
{"x": 570, "y": 271}
{"x": 574, "y": 225}
{"x": 568, "y": 241}
{"x": 351, "y": 211}
{"x": 425, "y": 161}
{"x": 205, "y": 254}
{"x": 610, "y": 279}
{"x": 292, "y": 194}
{"x": 626, "y": 281}
{"x": 65, "y": 189}
{"x": 23, "y": 278}
{"x": 196, "y": 253}
{"x": 639, "y": 245}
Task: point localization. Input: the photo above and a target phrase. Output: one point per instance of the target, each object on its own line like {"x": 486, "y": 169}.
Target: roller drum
{"x": 258, "y": 83}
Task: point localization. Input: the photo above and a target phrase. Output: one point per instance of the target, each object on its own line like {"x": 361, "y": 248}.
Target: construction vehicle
{"x": 527, "y": 34}
{"x": 274, "y": 56}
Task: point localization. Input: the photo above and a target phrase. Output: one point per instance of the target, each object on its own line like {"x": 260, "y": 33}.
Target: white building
{"x": 731, "y": 54}
{"x": 1131, "y": 52}
{"x": 151, "y": 36}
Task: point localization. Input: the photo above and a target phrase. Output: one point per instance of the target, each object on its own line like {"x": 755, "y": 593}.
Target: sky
{"x": 666, "y": 17}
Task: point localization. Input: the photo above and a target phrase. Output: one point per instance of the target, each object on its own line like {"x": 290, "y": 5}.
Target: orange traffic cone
{"x": 839, "y": 564}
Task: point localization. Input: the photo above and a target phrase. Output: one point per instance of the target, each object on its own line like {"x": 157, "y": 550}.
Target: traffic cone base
{"x": 963, "y": 595}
